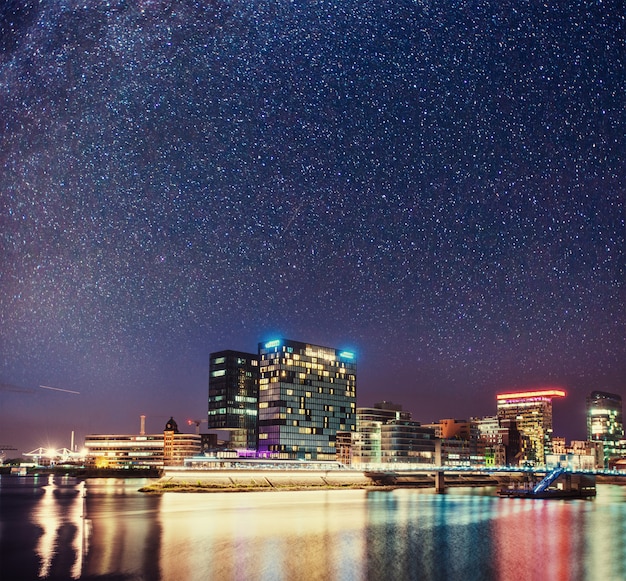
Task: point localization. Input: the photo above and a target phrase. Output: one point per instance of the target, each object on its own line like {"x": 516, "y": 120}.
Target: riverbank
{"x": 292, "y": 480}
{"x": 200, "y": 487}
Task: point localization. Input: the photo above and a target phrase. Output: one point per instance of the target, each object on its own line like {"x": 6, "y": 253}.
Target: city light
{"x": 530, "y": 394}
{"x": 271, "y": 344}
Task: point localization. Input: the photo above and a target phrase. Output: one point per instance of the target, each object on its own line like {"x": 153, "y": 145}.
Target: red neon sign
{"x": 529, "y": 394}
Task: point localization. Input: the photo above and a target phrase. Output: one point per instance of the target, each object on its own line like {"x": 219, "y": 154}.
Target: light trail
{"x": 59, "y": 389}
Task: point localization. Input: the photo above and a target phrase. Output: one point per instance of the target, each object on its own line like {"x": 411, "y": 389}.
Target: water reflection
{"x": 59, "y": 515}
{"x": 115, "y": 532}
{"x": 263, "y": 535}
{"x": 124, "y": 530}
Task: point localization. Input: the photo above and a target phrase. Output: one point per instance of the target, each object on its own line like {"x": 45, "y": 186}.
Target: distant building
{"x": 580, "y": 455}
{"x": 233, "y": 397}
{"x": 532, "y": 412}
{"x": 141, "y": 451}
{"x": 451, "y": 428}
{"x": 459, "y": 444}
{"x": 605, "y": 423}
{"x": 501, "y": 440}
{"x": 307, "y": 393}
{"x": 587, "y": 448}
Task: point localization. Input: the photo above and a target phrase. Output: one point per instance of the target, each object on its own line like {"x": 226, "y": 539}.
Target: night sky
{"x": 438, "y": 186}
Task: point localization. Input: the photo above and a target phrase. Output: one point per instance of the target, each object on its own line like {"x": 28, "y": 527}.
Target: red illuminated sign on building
{"x": 531, "y": 394}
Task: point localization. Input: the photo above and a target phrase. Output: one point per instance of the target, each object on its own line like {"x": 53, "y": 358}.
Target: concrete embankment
{"x": 242, "y": 480}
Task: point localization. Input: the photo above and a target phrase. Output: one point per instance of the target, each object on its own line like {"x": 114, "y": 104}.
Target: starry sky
{"x": 438, "y": 186}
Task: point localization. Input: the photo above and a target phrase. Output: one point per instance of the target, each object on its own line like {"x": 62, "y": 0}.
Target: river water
{"x": 61, "y": 528}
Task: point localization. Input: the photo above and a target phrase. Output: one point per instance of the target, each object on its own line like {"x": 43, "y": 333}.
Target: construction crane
{"x": 197, "y": 423}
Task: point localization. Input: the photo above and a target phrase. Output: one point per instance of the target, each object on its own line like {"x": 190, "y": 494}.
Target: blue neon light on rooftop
{"x": 274, "y": 343}
{"x": 346, "y": 355}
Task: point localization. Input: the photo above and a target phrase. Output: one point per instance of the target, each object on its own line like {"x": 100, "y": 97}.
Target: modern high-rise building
{"x": 233, "y": 397}
{"x": 307, "y": 393}
{"x": 605, "y": 423}
{"x": 532, "y": 413}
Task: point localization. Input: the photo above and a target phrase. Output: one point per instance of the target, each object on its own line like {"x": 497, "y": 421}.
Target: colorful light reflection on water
{"x": 114, "y": 531}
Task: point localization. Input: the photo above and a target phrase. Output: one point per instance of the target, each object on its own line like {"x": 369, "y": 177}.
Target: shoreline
{"x": 163, "y": 488}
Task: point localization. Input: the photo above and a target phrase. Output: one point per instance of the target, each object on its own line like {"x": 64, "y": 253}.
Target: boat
{"x": 557, "y": 484}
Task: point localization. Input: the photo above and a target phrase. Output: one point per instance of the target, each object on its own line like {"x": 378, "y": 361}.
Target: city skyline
{"x": 187, "y": 421}
{"x": 436, "y": 187}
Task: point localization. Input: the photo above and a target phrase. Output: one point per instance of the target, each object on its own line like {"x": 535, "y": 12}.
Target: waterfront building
{"x": 457, "y": 452}
{"x": 233, "y": 397}
{"x": 605, "y": 423}
{"x": 367, "y": 442}
{"x": 385, "y": 434}
{"x": 307, "y": 393}
{"x": 170, "y": 447}
{"x": 407, "y": 442}
{"x": 587, "y": 448}
{"x": 532, "y": 412}
{"x": 177, "y": 446}
{"x": 459, "y": 442}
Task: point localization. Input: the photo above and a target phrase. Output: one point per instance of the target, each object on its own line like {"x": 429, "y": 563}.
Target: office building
{"x": 307, "y": 393}
{"x": 532, "y": 413}
{"x": 605, "y": 423}
{"x": 233, "y": 397}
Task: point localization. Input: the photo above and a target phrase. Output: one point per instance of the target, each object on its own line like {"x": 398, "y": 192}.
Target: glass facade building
{"x": 233, "y": 397}
{"x": 532, "y": 412}
{"x": 407, "y": 442}
{"x": 605, "y": 423}
{"x": 307, "y": 393}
